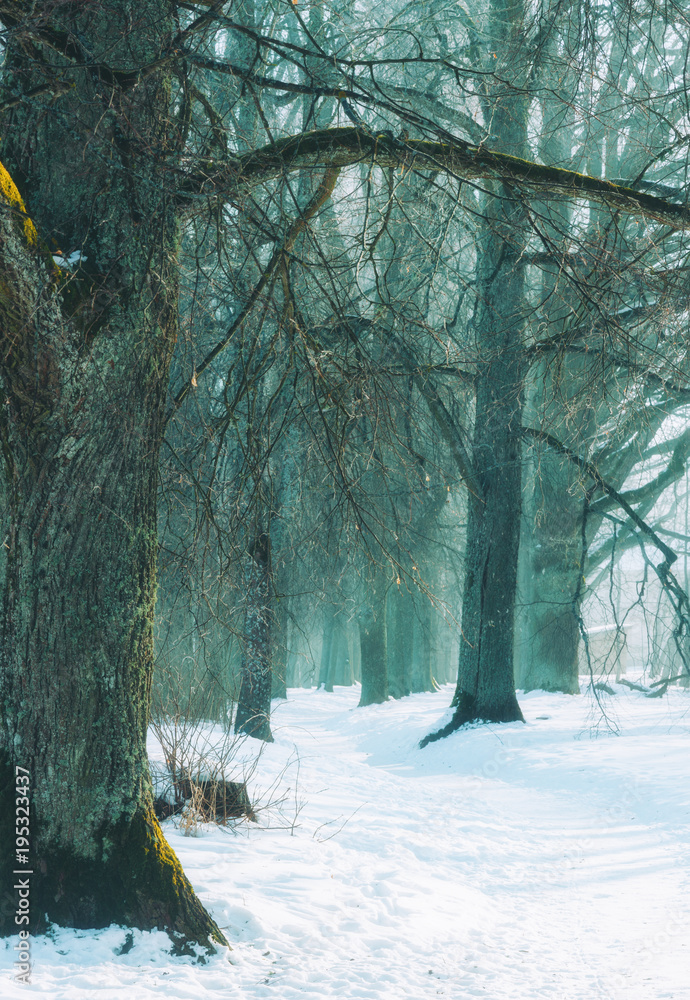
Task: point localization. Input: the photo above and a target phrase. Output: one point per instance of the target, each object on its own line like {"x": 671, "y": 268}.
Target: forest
{"x": 346, "y": 387}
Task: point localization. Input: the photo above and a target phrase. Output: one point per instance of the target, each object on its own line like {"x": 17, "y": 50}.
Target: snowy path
{"x": 505, "y": 862}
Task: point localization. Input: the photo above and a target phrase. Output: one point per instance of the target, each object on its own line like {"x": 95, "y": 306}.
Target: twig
{"x": 322, "y": 840}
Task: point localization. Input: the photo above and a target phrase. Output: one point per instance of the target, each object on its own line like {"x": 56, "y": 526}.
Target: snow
{"x": 546, "y": 860}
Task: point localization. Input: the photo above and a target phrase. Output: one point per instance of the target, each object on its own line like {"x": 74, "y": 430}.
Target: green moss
{"x": 12, "y": 197}
{"x": 135, "y": 880}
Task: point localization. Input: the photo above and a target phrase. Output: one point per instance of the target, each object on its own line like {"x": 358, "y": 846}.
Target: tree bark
{"x": 254, "y": 701}
{"x": 400, "y": 642}
{"x": 84, "y": 369}
{"x": 373, "y": 640}
{"x": 342, "y": 147}
{"x": 485, "y": 688}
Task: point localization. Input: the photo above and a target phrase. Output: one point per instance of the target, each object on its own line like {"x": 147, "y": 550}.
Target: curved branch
{"x": 652, "y": 490}
{"x": 342, "y": 147}
{"x": 592, "y": 471}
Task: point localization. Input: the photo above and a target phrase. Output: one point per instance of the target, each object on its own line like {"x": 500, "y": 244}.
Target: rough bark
{"x": 341, "y": 147}
{"x": 373, "y": 640}
{"x": 254, "y": 701}
{"x": 400, "y": 642}
{"x": 84, "y": 368}
{"x": 485, "y": 688}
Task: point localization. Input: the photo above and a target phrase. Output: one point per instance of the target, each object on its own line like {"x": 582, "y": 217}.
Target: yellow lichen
{"x": 11, "y": 196}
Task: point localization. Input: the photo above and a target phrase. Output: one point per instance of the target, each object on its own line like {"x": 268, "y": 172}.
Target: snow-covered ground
{"x": 524, "y": 861}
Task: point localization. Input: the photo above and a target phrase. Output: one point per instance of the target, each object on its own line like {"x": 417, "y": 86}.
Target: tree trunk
{"x": 373, "y": 641}
{"x": 340, "y": 671}
{"x": 547, "y": 630}
{"x": 279, "y": 652}
{"x": 336, "y": 656}
{"x": 550, "y": 568}
{"x": 400, "y": 642}
{"x": 84, "y": 369}
{"x": 486, "y": 689}
{"x": 354, "y": 646}
{"x": 350, "y": 644}
{"x": 327, "y": 644}
{"x": 423, "y": 673}
{"x": 254, "y": 701}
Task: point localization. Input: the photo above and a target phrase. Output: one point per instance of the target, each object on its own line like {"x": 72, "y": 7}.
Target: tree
{"x": 254, "y": 702}
{"x": 87, "y": 345}
{"x": 605, "y": 404}
{"x": 561, "y": 373}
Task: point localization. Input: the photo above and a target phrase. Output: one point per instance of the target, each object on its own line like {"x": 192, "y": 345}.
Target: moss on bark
{"x": 80, "y": 438}
{"x": 11, "y": 197}
{"x": 135, "y": 880}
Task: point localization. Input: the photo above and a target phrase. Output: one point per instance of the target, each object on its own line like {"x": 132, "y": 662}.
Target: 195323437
{"x": 22, "y": 913}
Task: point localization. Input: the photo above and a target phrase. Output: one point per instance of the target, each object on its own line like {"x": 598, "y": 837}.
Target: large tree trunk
{"x": 84, "y": 368}
{"x": 486, "y": 688}
{"x": 550, "y": 571}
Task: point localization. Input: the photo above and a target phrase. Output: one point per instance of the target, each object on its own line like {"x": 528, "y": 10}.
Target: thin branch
{"x": 321, "y": 196}
{"x": 653, "y": 489}
{"x": 592, "y": 471}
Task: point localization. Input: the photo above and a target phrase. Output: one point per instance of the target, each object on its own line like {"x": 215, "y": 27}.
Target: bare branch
{"x": 592, "y": 471}
{"x": 653, "y": 489}
{"x": 342, "y": 147}
{"x": 321, "y": 196}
